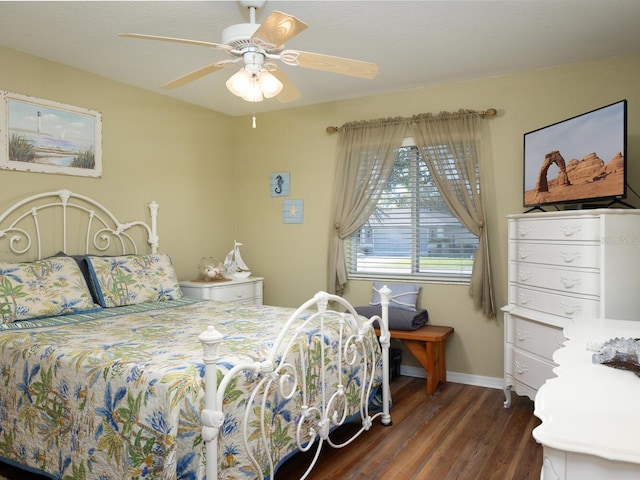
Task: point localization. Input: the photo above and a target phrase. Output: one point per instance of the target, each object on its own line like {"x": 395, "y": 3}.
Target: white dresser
{"x": 589, "y": 412}
{"x": 244, "y": 290}
{"x": 564, "y": 266}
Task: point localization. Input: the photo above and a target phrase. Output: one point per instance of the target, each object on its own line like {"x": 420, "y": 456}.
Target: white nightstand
{"x": 244, "y": 290}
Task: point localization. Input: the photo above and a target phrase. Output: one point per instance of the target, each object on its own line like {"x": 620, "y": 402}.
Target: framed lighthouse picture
{"x": 44, "y": 136}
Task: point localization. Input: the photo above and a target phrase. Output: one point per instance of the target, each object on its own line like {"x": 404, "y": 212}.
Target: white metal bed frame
{"x": 320, "y": 420}
{"x": 104, "y": 231}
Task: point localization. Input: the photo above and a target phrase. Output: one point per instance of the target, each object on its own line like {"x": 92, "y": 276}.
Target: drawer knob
{"x": 524, "y": 253}
{"x": 524, "y": 298}
{"x": 570, "y": 309}
{"x": 524, "y": 275}
{"x": 521, "y": 368}
{"x": 522, "y": 335}
{"x": 570, "y": 230}
{"x": 569, "y": 283}
{"x": 569, "y": 257}
{"x": 525, "y": 230}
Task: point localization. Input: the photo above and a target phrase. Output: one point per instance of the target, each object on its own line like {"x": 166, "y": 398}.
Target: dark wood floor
{"x": 461, "y": 432}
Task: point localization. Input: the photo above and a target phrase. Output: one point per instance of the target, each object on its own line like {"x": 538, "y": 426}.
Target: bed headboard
{"x": 47, "y": 223}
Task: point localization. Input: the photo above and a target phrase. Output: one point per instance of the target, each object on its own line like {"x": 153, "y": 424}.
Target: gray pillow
{"x": 403, "y": 295}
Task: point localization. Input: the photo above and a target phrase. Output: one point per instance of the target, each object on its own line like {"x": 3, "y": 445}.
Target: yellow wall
{"x": 293, "y": 257}
{"x": 210, "y": 173}
{"x": 153, "y": 148}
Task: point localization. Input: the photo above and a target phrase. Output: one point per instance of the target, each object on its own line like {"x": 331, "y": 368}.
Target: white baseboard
{"x": 465, "y": 378}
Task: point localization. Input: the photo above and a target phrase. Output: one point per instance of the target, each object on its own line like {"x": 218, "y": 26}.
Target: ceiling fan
{"x": 257, "y": 46}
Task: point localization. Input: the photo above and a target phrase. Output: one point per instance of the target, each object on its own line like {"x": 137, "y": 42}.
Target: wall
{"x": 154, "y": 148}
{"x": 293, "y": 257}
{"x": 210, "y": 173}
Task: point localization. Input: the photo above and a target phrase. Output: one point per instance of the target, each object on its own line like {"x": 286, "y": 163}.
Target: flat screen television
{"x": 578, "y": 160}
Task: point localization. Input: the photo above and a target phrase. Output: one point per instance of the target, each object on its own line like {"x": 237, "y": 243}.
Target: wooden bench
{"x": 427, "y": 344}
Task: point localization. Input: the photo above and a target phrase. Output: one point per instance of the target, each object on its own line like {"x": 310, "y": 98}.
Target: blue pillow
{"x": 403, "y": 295}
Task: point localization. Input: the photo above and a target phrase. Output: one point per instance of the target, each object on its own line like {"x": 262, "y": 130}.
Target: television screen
{"x": 580, "y": 159}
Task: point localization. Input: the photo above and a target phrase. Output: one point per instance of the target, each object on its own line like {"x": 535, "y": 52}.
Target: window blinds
{"x": 412, "y": 231}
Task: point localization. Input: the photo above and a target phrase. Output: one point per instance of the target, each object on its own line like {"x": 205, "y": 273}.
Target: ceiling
{"x": 414, "y": 43}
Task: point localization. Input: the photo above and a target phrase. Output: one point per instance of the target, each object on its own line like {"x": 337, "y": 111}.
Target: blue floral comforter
{"x": 119, "y": 396}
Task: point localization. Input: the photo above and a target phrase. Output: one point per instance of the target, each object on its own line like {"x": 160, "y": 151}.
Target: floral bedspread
{"x": 119, "y": 397}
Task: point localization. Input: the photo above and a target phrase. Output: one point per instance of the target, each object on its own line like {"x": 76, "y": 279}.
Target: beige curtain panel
{"x": 458, "y": 180}
{"x": 366, "y": 155}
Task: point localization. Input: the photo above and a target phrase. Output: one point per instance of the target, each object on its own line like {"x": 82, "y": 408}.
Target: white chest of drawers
{"x": 244, "y": 290}
{"x": 563, "y": 267}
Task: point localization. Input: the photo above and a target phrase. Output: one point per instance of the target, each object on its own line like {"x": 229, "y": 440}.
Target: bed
{"x": 108, "y": 372}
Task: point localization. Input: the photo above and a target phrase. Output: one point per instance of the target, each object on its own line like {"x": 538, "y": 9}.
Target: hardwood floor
{"x": 461, "y": 432}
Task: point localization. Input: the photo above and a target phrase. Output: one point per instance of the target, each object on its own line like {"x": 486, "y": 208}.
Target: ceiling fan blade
{"x": 277, "y": 29}
{"x": 196, "y": 74}
{"x": 289, "y": 91}
{"x": 218, "y": 46}
{"x": 329, "y": 63}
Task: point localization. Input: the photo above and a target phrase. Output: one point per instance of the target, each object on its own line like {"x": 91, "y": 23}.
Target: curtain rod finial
{"x": 489, "y": 112}
{"x": 332, "y": 129}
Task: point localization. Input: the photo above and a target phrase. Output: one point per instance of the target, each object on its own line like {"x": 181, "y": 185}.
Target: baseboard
{"x": 465, "y": 378}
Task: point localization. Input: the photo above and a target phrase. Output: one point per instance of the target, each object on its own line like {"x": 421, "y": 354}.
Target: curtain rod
{"x": 488, "y": 113}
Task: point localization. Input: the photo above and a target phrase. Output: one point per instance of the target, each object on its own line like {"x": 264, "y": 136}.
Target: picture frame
{"x": 45, "y": 136}
{"x": 279, "y": 184}
{"x": 292, "y": 211}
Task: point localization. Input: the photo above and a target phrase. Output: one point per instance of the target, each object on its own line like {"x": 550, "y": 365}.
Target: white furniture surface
{"x": 589, "y": 413}
{"x": 244, "y": 290}
{"x": 564, "y": 266}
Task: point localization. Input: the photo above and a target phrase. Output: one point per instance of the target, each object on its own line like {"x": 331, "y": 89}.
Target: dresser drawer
{"x": 564, "y": 255}
{"x": 537, "y": 338}
{"x": 233, "y": 293}
{"x": 566, "y": 306}
{"x": 530, "y": 370}
{"x": 549, "y": 229}
{"x": 583, "y": 282}
{"x": 241, "y": 291}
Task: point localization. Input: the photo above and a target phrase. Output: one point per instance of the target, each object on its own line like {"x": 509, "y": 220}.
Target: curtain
{"x": 366, "y": 154}
{"x": 450, "y": 145}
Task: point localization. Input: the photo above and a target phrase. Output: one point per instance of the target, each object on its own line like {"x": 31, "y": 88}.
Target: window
{"x": 412, "y": 233}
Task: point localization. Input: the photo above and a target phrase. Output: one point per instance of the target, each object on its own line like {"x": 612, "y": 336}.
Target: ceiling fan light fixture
{"x": 239, "y": 82}
{"x": 270, "y": 85}
{"x": 253, "y": 93}
{"x": 254, "y": 87}
{"x": 256, "y": 46}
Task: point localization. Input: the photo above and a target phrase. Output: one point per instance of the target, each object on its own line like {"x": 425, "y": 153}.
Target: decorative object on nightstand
{"x": 211, "y": 269}
{"x": 234, "y": 264}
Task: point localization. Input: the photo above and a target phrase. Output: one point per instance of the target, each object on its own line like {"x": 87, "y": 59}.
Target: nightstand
{"x": 244, "y": 290}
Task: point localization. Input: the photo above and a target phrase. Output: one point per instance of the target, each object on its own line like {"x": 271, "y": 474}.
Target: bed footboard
{"x": 299, "y": 362}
